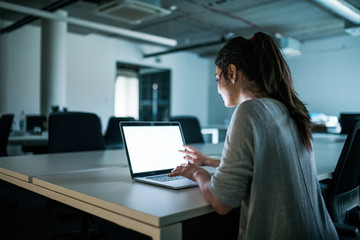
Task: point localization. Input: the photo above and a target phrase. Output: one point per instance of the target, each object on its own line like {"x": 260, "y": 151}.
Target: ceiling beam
{"x": 342, "y": 9}
{"x": 200, "y": 45}
{"x": 92, "y": 25}
{"x": 29, "y": 19}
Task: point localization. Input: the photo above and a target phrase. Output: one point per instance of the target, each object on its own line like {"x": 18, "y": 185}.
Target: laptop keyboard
{"x": 164, "y": 178}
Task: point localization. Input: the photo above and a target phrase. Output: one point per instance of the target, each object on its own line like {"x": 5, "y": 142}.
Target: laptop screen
{"x": 153, "y": 147}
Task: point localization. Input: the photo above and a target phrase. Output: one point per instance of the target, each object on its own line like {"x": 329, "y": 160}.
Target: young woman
{"x": 267, "y": 165}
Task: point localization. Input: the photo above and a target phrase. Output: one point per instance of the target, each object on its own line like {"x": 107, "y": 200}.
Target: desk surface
{"x": 29, "y": 139}
{"x": 113, "y": 189}
{"x": 25, "y": 167}
{"x": 327, "y": 150}
{"x": 99, "y": 182}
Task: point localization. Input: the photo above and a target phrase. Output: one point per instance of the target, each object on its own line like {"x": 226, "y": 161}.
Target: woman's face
{"x": 226, "y": 89}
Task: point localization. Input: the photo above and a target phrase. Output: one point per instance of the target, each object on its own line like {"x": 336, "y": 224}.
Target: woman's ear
{"x": 232, "y": 73}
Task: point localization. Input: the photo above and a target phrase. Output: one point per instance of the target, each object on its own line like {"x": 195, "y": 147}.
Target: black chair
{"x": 33, "y": 121}
{"x": 347, "y": 121}
{"x": 191, "y": 128}
{"x": 343, "y": 194}
{"x": 74, "y": 131}
{"x": 70, "y": 132}
{"x": 7, "y": 201}
{"x": 5, "y": 127}
{"x": 112, "y": 137}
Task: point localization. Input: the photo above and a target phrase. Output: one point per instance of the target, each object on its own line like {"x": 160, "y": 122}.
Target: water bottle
{"x": 22, "y": 122}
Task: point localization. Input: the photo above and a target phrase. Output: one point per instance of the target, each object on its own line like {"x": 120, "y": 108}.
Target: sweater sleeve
{"x": 232, "y": 180}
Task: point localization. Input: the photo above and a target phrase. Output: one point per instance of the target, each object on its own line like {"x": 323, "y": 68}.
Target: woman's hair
{"x": 263, "y": 65}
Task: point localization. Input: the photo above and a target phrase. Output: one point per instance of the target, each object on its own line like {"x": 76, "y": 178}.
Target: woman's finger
{"x": 190, "y": 148}
{"x": 189, "y": 158}
{"x": 188, "y": 154}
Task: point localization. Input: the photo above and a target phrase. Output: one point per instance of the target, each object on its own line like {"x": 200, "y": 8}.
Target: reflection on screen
{"x": 152, "y": 148}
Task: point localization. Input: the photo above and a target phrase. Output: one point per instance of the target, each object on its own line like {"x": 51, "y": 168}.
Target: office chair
{"x": 74, "y": 131}
{"x": 191, "y": 128}
{"x": 112, "y": 137}
{"x": 343, "y": 194}
{"x": 347, "y": 121}
{"x": 5, "y": 127}
{"x": 70, "y": 132}
{"x": 7, "y": 201}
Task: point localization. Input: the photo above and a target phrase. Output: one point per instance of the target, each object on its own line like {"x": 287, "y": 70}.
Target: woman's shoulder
{"x": 260, "y": 104}
{"x": 260, "y": 109}
{"x": 260, "y": 101}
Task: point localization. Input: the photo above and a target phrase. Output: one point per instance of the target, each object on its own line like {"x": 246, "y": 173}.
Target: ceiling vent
{"x": 289, "y": 46}
{"x": 131, "y": 11}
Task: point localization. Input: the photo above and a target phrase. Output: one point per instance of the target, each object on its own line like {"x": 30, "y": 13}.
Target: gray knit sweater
{"x": 266, "y": 169}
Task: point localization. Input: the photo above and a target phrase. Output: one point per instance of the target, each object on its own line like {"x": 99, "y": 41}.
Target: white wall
{"x": 91, "y": 65}
{"x": 20, "y": 71}
{"x": 327, "y": 75}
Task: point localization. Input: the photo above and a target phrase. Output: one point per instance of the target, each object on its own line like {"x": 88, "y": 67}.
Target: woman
{"x": 267, "y": 165}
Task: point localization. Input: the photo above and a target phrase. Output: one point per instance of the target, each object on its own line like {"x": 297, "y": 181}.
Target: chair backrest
{"x": 347, "y": 121}
{"x": 5, "y": 127}
{"x": 74, "y": 131}
{"x": 191, "y": 128}
{"x": 112, "y": 134}
{"x": 35, "y": 121}
{"x": 343, "y": 193}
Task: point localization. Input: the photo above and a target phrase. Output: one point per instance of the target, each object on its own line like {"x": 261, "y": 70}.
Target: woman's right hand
{"x": 195, "y": 156}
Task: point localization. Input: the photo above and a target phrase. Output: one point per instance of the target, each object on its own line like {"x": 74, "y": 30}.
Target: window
{"x": 126, "y": 94}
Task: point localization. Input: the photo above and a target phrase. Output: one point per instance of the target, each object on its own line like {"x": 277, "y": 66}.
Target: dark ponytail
{"x": 263, "y": 64}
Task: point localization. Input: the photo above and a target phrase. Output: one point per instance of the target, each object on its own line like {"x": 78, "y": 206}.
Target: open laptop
{"x": 152, "y": 152}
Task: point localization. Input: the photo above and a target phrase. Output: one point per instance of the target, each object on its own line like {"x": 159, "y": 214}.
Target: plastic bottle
{"x": 22, "y": 122}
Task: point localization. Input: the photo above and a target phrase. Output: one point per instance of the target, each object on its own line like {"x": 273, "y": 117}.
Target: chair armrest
{"x": 347, "y": 230}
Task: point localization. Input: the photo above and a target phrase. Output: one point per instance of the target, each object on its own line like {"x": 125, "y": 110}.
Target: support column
{"x": 53, "y": 63}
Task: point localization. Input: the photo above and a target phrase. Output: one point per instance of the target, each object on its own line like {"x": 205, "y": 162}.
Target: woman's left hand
{"x": 187, "y": 170}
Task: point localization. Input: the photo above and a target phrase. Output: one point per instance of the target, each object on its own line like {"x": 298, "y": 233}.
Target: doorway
{"x": 142, "y": 92}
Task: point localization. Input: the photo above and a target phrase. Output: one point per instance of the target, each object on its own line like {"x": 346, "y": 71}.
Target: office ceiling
{"x": 196, "y": 22}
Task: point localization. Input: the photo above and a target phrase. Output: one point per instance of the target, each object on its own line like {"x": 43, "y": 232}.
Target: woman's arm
{"x": 203, "y": 178}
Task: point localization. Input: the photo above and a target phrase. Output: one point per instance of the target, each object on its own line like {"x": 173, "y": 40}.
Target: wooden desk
{"x": 215, "y": 131}
{"x": 99, "y": 183}
{"x": 327, "y": 150}
{"x": 112, "y": 195}
{"x": 29, "y": 139}
{"x": 27, "y": 166}
{"x": 213, "y": 150}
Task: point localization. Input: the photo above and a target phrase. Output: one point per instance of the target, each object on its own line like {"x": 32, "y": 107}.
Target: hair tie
{"x": 252, "y": 39}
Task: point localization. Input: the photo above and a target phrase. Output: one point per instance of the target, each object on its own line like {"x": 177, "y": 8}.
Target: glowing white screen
{"x": 152, "y": 148}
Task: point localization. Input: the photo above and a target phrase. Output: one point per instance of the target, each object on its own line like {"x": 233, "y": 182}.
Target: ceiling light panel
{"x": 131, "y": 11}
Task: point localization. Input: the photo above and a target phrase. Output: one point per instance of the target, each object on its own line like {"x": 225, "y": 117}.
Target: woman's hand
{"x": 202, "y": 177}
{"x": 188, "y": 170}
{"x": 195, "y": 156}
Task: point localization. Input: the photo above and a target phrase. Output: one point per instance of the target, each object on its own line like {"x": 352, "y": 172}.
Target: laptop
{"x": 152, "y": 152}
